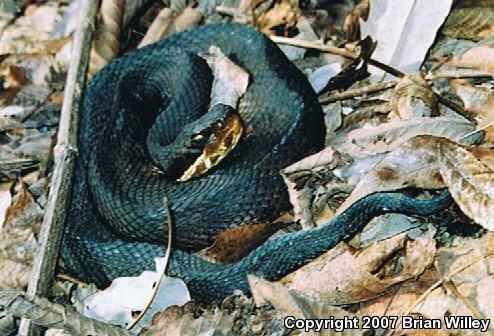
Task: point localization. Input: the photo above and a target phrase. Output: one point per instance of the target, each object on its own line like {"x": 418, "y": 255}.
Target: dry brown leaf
{"x": 25, "y": 212}
{"x": 34, "y": 32}
{"x": 480, "y": 102}
{"x": 467, "y": 264}
{"x": 470, "y": 181}
{"x": 329, "y": 278}
{"x": 386, "y": 137}
{"x": 19, "y": 70}
{"x": 413, "y": 164}
{"x": 472, "y": 23}
{"x": 236, "y": 315}
{"x": 300, "y": 181}
{"x": 284, "y": 13}
{"x": 235, "y": 243}
{"x": 314, "y": 180}
{"x": 480, "y": 57}
{"x": 413, "y": 98}
{"x": 299, "y": 306}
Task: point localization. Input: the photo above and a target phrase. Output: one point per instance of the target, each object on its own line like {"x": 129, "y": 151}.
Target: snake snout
{"x": 221, "y": 129}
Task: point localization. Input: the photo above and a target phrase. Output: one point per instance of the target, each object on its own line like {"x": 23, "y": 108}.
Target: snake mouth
{"x": 221, "y": 142}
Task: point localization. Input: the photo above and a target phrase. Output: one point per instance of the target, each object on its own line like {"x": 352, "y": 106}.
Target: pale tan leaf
{"x": 14, "y": 275}
{"x": 480, "y": 102}
{"x": 404, "y": 30}
{"x": 230, "y": 80}
{"x": 248, "y": 5}
{"x": 189, "y": 18}
{"x": 386, "y": 137}
{"x": 158, "y": 28}
{"x": 479, "y": 57}
{"x": 413, "y": 164}
{"x": 470, "y": 181}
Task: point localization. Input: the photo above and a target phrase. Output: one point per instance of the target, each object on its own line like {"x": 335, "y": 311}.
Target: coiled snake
{"x": 144, "y": 109}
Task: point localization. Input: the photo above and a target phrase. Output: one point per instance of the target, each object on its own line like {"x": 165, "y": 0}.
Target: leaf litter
{"x": 380, "y": 139}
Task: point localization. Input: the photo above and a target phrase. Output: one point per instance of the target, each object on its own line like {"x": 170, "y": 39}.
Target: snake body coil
{"x": 133, "y": 115}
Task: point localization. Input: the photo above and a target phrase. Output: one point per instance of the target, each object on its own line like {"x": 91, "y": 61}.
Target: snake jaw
{"x": 225, "y": 140}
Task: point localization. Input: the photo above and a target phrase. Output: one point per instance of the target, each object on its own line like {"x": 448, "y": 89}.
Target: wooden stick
{"x": 163, "y": 272}
{"x": 349, "y": 94}
{"x": 64, "y": 154}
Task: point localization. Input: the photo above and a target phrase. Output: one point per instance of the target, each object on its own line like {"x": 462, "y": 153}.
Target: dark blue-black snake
{"x": 139, "y": 112}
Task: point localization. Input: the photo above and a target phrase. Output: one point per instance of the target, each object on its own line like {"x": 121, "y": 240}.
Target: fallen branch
{"x": 64, "y": 156}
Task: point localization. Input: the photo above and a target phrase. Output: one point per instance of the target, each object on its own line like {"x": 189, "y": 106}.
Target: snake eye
{"x": 197, "y": 139}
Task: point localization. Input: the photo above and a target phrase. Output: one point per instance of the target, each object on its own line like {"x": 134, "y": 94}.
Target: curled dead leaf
{"x": 386, "y": 137}
{"x": 412, "y": 98}
{"x": 470, "y": 181}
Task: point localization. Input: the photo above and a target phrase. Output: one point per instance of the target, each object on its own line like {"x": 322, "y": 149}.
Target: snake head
{"x": 212, "y": 138}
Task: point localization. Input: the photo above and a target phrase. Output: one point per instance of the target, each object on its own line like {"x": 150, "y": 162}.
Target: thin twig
{"x": 483, "y": 127}
{"x": 163, "y": 273}
{"x": 346, "y": 53}
{"x": 349, "y": 94}
{"x": 313, "y": 45}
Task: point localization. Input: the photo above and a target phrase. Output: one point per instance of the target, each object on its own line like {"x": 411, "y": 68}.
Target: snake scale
{"x": 134, "y": 114}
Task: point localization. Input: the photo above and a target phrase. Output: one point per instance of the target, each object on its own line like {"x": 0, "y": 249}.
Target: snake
{"x": 146, "y": 119}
